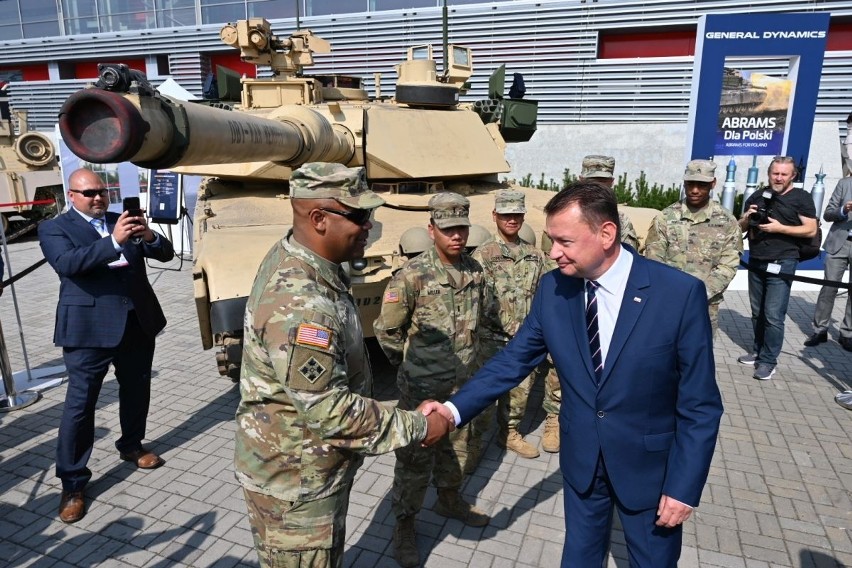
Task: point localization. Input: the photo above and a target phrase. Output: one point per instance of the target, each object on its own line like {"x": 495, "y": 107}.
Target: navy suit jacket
{"x": 94, "y": 299}
{"x": 655, "y": 415}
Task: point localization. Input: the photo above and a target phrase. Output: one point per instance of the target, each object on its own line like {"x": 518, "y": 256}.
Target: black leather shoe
{"x": 816, "y": 338}
{"x": 846, "y": 343}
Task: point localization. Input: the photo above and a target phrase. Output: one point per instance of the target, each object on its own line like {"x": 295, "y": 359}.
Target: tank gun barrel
{"x": 155, "y": 131}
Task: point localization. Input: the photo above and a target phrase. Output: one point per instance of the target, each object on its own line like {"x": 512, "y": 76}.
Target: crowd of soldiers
{"x": 306, "y": 416}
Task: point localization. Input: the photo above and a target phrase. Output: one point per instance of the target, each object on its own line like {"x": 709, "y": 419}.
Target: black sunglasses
{"x": 357, "y": 216}
{"x": 89, "y": 192}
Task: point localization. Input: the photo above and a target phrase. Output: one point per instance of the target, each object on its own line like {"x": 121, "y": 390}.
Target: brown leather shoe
{"x": 72, "y": 506}
{"x": 144, "y": 459}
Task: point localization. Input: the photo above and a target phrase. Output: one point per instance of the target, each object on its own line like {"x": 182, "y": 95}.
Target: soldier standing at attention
{"x": 304, "y": 419}
{"x": 698, "y": 236}
{"x": 600, "y": 169}
{"x": 427, "y": 326}
{"x": 512, "y": 270}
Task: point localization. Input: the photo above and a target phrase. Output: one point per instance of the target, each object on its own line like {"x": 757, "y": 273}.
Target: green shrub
{"x": 635, "y": 194}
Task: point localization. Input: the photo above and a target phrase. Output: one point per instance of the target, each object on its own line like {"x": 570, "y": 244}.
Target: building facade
{"x": 585, "y": 61}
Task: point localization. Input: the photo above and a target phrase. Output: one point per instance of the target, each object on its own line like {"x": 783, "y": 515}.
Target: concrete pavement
{"x": 779, "y": 493}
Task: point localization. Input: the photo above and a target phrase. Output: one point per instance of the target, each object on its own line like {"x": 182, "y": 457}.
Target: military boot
{"x": 515, "y": 442}
{"x": 404, "y": 543}
{"x": 450, "y": 504}
{"x": 550, "y": 440}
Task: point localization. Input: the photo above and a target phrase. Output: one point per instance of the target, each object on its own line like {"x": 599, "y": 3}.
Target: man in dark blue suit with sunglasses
{"x": 107, "y": 314}
{"x": 630, "y": 340}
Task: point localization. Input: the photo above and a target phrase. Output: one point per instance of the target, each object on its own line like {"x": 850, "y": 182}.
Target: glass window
{"x": 41, "y": 29}
{"x": 377, "y": 5}
{"x": 10, "y": 32}
{"x": 176, "y": 17}
{"x": 78, "y": 8}
{"x": 270, "y": 9}
{"x": 81, "y": 26}
{"x": 221, "y": 13}
{"x": 38, "y": 10}
{"x": 121, "y": 22}
{"x": 327, "y": 7}
{"x": 9, "y": 12}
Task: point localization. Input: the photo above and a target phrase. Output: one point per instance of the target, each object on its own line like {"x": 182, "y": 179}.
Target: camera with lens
{"x": 764, "y": 209}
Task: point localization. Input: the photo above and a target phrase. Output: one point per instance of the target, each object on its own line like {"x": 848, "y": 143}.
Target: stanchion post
{"x": 12, "y": 400}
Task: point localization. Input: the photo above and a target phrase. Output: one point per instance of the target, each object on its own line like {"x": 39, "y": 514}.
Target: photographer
{"x": 107, "y": 315}
{"x": 776, "y": 220}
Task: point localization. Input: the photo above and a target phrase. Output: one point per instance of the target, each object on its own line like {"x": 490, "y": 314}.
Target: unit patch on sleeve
{"x": 314, "y": 335}
{"x": 310, "y": 370}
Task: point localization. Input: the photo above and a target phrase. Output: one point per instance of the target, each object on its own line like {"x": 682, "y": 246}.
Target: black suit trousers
{"x": 87, "y": 366}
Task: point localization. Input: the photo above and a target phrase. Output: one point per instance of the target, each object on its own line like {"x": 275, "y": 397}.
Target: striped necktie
{"x": 98, "y": 224}
{"x": 592, "y": 328}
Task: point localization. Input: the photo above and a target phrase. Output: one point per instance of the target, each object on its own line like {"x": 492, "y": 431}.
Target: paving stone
{"x": 779, "y": 492}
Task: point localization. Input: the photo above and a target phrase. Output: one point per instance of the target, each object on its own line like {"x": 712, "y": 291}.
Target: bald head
{"x": 84, "y": 180}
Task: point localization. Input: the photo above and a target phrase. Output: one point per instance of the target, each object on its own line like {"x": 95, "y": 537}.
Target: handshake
{"x": 439, "y": 421}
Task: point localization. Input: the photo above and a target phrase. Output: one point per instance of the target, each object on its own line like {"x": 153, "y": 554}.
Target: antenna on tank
{"x": 445, "y": 26}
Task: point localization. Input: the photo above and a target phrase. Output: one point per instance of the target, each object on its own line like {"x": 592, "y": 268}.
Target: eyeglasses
{"x": 89, "y": 192}
{"x": 357, "y": 216}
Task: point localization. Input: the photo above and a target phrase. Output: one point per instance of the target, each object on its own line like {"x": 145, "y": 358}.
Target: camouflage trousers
{"x": 300, "y": 534}
{"x": 714, "y": 318}
{"x": 415, "y": 465}
{"x": 552, "y": 389}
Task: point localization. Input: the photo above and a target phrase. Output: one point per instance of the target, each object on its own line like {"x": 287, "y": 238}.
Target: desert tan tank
{"x": 30, "y": 180}
{"x": 418, "y": 142}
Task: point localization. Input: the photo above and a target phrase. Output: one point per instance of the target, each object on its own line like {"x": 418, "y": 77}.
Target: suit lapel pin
{"x": 637, "y": 299}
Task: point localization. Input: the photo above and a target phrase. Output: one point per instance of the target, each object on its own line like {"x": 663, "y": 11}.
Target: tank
{"x": 739, "y": 95}
{"x": 420, "y": 141}
{"x": 30, "y": 179}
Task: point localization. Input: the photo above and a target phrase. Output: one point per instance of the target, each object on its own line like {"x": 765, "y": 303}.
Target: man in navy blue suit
{"x": 630, "y": 339}
{"x": 107, "y": 314}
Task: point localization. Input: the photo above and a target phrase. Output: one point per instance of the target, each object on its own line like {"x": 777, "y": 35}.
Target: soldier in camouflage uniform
{"x": 427, "y": 325}
{"x": 698, "y": 236}
{"x": 304, "y": 419}
{"x": 512, "y": 270}
{"x": 600, "y": 169}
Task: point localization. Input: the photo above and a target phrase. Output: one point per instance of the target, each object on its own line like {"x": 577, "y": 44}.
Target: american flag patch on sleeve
{"x": 309, "y": 334}
{"x": 392, "y": 296}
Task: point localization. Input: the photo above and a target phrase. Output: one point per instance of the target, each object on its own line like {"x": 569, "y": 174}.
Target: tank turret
{"x": 30, "y": 181}
{"x": 420, "y": 141}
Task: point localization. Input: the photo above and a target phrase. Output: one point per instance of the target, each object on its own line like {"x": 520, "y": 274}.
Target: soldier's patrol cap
{"x": 508, "y": 201}
{"x": 449, "y": 209}
{"x": 700, "y": 170}
{"x": 321, "y": 180}
{"x": 596, "y": 166}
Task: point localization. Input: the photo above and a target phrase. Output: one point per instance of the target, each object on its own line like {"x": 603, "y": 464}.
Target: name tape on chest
{"x": 314, "y": 335}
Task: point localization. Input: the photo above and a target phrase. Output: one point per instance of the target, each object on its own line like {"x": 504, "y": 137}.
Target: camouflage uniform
{"x": 628, "y": 235}
{"x": 304, "y": 419}
{"x": 706, "y": 244}
{"x": 427, "y": 326}
{"x": 511, "y": 273}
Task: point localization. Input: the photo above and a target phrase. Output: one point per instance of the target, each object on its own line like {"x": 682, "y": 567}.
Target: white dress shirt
{"x": 610, "y": 293}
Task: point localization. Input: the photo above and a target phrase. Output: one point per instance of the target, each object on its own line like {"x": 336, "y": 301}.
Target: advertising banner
{"x": 755, "y": 84}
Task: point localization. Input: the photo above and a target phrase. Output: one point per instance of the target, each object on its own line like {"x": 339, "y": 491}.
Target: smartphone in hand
{"x": 131, "y": 204}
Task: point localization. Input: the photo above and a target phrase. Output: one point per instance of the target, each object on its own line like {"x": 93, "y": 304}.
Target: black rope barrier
{"x": 796, "y": 278}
